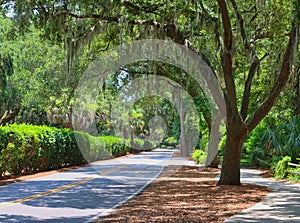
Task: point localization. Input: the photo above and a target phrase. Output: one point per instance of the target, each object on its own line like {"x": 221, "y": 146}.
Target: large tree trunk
{"x": 230, "y": 173}
{"x": 239, "y": 124}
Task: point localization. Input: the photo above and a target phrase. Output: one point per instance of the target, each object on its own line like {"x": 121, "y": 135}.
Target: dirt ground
{"x": 187, "y": 195}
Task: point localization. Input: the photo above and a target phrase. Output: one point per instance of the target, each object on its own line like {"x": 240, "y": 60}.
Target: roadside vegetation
{"x": 251, "y": 48}
{"x": 28, "y": 149}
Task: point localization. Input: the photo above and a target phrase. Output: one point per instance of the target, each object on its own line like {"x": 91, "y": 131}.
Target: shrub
{"x": 13, "y": 158}
{"x": 148, "y": 145}
{"x": 115, "y": 146}
{"x": 71, "y": 154}
{"x": 170, "y": 141}
{"x": 271, "y": 140}
{"x": 294, "y": 176}
{"x": 27, "y": 148}
{"x": 199, "y": 156}
{"x": 281, "y": 167}
{"x": 20, "y": 151}
{"x": 139, "y": 145}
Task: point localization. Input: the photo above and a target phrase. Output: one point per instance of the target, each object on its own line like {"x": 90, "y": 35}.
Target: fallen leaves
{"x": 187, "y": 195}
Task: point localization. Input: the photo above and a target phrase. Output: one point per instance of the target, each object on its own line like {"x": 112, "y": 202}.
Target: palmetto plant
{"x": 271, "y": 142}
{"x": 290, "y": 138}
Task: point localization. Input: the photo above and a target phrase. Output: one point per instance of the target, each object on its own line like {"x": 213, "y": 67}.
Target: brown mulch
{"x": 182, "y": 195}
{"x": 189, "y": 194}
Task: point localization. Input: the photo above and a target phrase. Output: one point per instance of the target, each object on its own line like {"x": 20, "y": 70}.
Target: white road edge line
{"x": 128, "y": 198}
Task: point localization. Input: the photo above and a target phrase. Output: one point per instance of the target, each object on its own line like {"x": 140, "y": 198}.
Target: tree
{"x": 9, "y": 98}
{"x": 9, "y": 108}
{"x": 238, "y": 124}
{"x": 242, "y": 42}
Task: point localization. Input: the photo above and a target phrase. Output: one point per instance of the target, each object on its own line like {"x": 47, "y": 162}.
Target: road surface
{"x": 83, "y": 194}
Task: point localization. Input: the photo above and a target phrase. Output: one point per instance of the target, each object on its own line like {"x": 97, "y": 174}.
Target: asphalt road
{"x": 83, "y": 194}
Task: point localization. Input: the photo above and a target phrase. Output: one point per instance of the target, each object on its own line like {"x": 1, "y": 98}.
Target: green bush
{"x": 294, "y": 176}
{"x": 271, "y": 140}
{"x": 148, "y": 145}
{"x": 27, "y": 148}
{"x": 199, "y": 156}
{"x": 170, "y": 141}
{"x": 280, "y": 170}
{"x": 115, "y": 146}
{"x": 19, "y": 149}
{"x": 139, "y": 145}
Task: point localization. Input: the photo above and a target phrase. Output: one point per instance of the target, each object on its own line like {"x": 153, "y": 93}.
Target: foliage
{"x": 30, "y": 149}
{"x": 148, "y": 145}
{"x": 282, "y": 170}
{"x": 169, "y": 141}
{"x": 27, "y": 148}
{"x": 271, "y": 140}
{"x": 281, "y": 167}
{"x": 116, "y": 146}
{"x": 199, "y": 156}
{"x": 251, "y": 56}
{"x": 222, "y": 145}
{"x": 203, "y": 140}
{"x": 294, "y": 177}
{"x": 9, "y": 97}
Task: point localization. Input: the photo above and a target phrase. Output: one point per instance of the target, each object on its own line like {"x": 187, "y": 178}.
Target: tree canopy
{"x": 252, "y": 48}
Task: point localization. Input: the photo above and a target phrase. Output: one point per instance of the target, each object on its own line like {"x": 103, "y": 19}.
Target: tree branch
{"x": 85, "y": 16}
{"x": 262, "y": 36}
{"x": 282, "y": 79}
{"x": 230, "y": 94}
{"x": 43, "y": 8}
{"x": 241, "y": 22}
{"x": 205, "y": 12}
{"x": 226, "y": 25}
{"x": 137, "y": 9}
{"x": 7, "y": 116}
{"x": 247, "y": 90}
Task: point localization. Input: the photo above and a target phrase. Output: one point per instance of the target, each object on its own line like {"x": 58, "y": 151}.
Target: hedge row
{"x": 29, "y": 149}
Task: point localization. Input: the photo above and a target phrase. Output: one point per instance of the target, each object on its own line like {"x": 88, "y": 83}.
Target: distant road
{"x": 83, "y": 194}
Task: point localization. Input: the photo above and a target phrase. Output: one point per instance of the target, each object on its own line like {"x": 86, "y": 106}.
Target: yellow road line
{"x": 65, "y": 187}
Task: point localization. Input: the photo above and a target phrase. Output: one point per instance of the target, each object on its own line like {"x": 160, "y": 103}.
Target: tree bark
{"x": 282, "y": 79}
{"x": 8, "y": 115}
{"x": 230, "y": 173}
